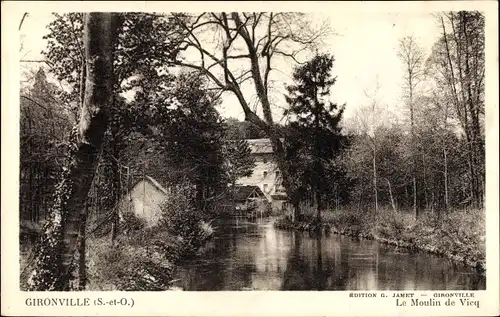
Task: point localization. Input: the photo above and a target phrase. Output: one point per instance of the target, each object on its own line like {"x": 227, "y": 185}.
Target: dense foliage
{"x": 314, "y": 139}
{"x": 145, "y": 44}
{"x": 192, "y": 134}
{"x": 243, "y": 130}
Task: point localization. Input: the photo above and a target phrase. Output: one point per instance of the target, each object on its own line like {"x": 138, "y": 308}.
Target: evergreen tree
{"x": 314, "y": 136}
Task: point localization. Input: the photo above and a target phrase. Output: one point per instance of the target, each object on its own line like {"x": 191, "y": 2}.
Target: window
{"x": 264, "y": 188}
{"x": 264, "y": 174}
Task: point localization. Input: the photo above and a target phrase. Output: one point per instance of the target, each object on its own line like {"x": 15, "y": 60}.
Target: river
{"x": 253, "y": 255}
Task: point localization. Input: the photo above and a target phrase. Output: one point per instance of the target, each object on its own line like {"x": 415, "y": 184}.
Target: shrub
{"x": 393, "y": 224}
{"x": 181, "y": 219}
{"x": 465, "y": 230}
{"x": 130, "y": 223}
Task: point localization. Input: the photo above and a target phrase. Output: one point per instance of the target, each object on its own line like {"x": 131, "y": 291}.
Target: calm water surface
{"x": 255, "y": 256}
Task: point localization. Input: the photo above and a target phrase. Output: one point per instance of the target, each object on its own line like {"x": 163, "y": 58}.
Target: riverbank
{"x": 140, "y": 259}
{"x": 459, "y": 236}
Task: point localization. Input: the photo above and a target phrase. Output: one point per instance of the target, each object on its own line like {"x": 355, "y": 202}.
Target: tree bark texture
{"x": 82, "y": 248}
{"x": 60, "y": 241}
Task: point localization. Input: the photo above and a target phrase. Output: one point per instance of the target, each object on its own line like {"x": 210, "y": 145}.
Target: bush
{"x": 466, "y": 232}
{"x": 130, "y": 223}
{"x": 143, "y": 258}
{"x": 181, "y": 219}
{"x": 394, "y": 225}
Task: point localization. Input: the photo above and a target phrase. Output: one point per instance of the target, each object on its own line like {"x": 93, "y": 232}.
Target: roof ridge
{"x": 156, "y": 184}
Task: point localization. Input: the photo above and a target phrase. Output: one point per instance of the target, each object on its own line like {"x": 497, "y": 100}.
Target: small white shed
{"x": 145, "y": 199}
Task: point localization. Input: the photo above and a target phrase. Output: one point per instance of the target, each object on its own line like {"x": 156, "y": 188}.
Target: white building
{"x": 145, "y": 200}
{"x": 266, "y": 174}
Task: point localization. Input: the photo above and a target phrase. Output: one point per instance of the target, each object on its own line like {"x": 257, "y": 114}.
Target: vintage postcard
{"x": 250, "y": 158}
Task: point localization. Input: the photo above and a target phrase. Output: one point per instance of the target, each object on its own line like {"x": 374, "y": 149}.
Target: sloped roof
{"x": 153, "y": 182}
{"x": 156, "y": 184}
{"x": 242, "y": 192}
{"x": 259, "y": 146}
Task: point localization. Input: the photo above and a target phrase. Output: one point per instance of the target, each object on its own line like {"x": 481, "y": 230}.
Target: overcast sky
{"x": 364, "y": 47}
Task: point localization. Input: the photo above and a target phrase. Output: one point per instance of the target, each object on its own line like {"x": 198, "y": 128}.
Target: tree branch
{"x": 22, "y": 20}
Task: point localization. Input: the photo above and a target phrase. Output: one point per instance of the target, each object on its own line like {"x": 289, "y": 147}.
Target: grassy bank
{"x": 131, "y": 263}
{"x": 459, "y": 236}
{"x": 141, "y": 258}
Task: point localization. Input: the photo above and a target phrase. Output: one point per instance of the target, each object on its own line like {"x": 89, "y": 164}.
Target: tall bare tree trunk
{"x": 375, "y": 179}
{"x": 467, "y": 36}
{"x": 267, "y": 124}
{"x": 390, "y": 195}
{"x": 432, "y": 203}
{"x": 412, "y": 58}
{"x": 424, "y": 181}
{"x": 83, "y": 80}
{"x": 318, "y": 205}
{"x": 446, "y": 199}
{"x": 116, "y": 175}
{"x": 415, "y": 198}
{"x": 55, "y": 259}
{"x": 414, "y": 180}
{"x": 474, "y": 114}
{"x": 317, "y": 152}
{"x": 82, "y": 246}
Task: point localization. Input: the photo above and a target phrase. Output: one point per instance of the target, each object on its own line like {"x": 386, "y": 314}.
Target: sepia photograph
{"x": 249, "y": 150}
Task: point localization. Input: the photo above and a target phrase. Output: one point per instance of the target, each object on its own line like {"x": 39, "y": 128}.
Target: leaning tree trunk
{"x": 57, "y": 249}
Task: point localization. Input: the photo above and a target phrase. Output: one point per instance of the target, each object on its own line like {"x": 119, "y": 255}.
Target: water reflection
{"x": 255, "y": 256}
